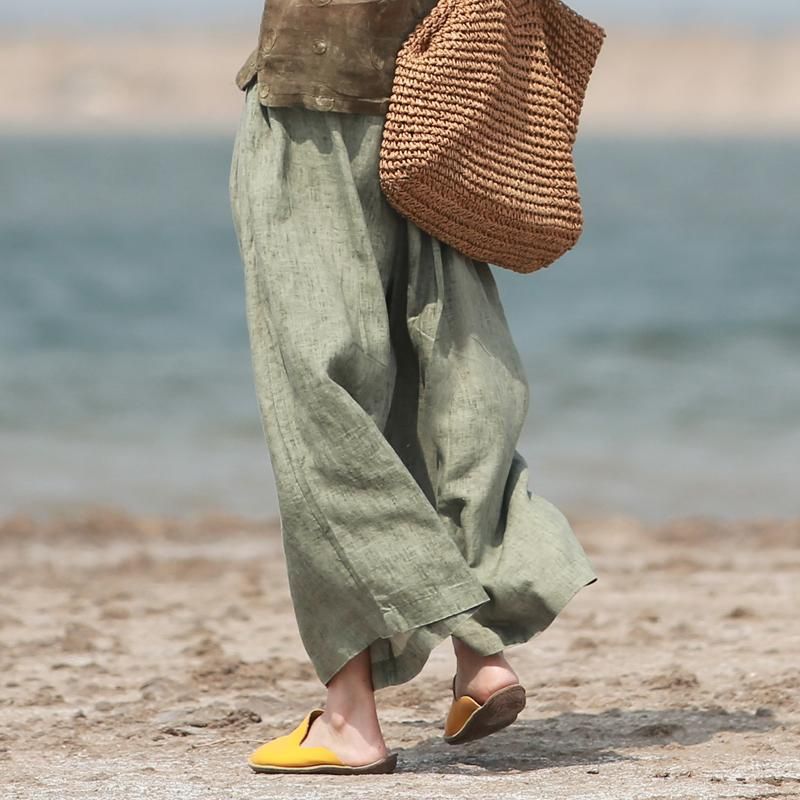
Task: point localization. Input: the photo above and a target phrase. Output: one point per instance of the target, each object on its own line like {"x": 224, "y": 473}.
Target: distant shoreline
{"x": 646, "y": 82}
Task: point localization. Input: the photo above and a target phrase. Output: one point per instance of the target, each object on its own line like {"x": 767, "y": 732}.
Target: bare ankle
{"x": 481, "y": 675}
{"x": 468, "y": 656}
{"x": 337, "y": 721}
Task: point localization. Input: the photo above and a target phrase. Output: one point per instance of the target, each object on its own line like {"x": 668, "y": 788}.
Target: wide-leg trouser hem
{"x": 391, "y": 668}
{"x": 487, "y": 640}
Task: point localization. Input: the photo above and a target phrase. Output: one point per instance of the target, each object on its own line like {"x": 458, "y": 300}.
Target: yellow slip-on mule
{"x": 468, "y": 719}
{"x": 285, "y": 754}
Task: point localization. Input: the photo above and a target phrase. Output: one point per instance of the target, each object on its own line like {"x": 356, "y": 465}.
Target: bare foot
{"x": 356, "y": 741}
{"x": 349, "y": 724}
{"x": 480, "y": 676}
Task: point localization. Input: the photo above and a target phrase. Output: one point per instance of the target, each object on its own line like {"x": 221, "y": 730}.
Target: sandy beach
{"x": 696, "y": 82}
{"x": 146, "y": 656}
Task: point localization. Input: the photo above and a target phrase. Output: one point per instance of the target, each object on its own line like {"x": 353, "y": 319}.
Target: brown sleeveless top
{"x": 330, "y": 55}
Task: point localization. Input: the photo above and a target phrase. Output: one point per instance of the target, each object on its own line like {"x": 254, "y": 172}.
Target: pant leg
{"x": 473, "y": 399}
{"x": 370, "y": 561}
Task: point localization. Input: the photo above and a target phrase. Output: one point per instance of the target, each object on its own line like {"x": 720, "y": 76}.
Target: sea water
{"x": 663, "y": 352}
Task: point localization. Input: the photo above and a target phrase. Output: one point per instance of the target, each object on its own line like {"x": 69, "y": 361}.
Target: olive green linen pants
{"x": 391, "y": 398}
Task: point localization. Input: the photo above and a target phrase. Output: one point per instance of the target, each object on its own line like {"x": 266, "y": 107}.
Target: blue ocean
{"x": 663, "y": 352}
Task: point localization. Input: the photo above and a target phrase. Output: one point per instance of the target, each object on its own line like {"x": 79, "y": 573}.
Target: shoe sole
{"x": 498, "y": 712}
{"x": 382, "y": 767}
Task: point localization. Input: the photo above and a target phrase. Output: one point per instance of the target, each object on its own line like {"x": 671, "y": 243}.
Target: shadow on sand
{"x": 572, "y": 739}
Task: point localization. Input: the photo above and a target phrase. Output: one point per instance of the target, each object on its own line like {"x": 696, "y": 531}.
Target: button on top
{"x": 320, "y": 46}
{"x": 324, "y": 102}
{"x": 263, "y": 90}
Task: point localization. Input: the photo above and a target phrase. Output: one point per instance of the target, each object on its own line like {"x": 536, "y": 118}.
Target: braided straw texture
{"x": 478, "y": 137}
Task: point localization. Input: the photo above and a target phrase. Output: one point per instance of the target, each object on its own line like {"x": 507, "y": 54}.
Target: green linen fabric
{"x": 391, "y": 398}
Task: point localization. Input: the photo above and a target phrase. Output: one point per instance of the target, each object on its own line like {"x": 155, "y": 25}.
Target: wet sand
{"x": 145, "y": 657}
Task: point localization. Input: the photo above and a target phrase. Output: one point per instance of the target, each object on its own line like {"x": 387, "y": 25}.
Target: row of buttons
{"x": 319, "y": 46}
{"x": 268, "y": 41}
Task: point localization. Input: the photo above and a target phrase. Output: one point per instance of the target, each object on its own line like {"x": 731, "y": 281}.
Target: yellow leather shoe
{"x": 285, "y": 754}
{"x": 468, "y": 719}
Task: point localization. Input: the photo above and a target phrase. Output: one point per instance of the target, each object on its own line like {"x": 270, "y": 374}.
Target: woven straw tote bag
{"x": 477, "y": 141}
